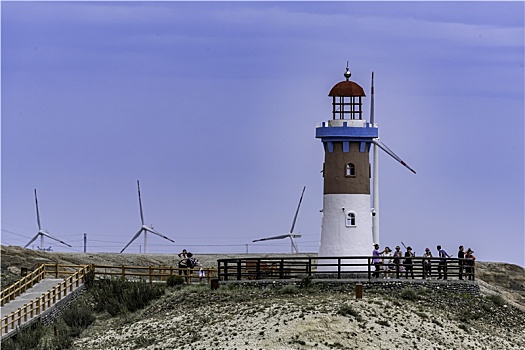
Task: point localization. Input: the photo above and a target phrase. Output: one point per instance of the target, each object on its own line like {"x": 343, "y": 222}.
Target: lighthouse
{"x": 346, "y": 137}
{"x": 348, "y": 216}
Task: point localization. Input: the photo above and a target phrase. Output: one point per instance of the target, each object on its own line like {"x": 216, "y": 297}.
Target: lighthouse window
{"x": 350, "y": 219}
{"x": 350, "y": 170}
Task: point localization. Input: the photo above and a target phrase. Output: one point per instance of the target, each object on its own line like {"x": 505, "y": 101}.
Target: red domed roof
{"x": 347, "y": 88}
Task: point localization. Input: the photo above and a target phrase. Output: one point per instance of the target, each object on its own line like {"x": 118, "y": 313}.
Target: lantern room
{"x": 347, "y": 99}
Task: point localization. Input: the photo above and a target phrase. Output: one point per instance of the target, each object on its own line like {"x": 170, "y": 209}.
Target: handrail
{"x": 350, "y": 267}
{"x": 160, "y": 273}
{"x": 21, "y": 285}
{"x": 38, "y": 305}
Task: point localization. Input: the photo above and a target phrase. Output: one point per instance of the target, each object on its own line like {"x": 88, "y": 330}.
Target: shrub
{"x": 174, "y": 280}
{"x": 118, "y": 296}
{"x": 306, "y": 282}
{"x": 28, "y": 338}
{"x": 347, "y": 310}
{"x": 288, "y": 289}
{"x": 409, "y": 294}
{"x": 496, "y": 299}
{"x": 90, "y": 278}
{"x": 78, "y": 317}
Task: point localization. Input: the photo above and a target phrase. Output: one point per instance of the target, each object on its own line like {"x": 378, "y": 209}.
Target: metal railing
{"x": 356, "y": 267}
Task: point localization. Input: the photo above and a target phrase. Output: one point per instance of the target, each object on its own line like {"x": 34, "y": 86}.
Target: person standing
{"x": 461, "y": 262}
{"x": 442, "y": 266}
{"x": 183, "y": 261}
{"x": 183, "y": 254}
{"x": 470, "y": 260}
{"x": 408, "y": 262}
{"x": 427, "y": 264}
{"x": 387, "y": 262}
{"x": 376, "y": 260}
{"x": 398, "y": 254}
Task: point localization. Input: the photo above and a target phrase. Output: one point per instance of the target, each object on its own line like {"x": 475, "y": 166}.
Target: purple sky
{"x": 213, "y": 107}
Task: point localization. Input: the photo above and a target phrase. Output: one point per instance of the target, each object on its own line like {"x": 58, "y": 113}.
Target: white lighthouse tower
{"x": 347, "y": 226}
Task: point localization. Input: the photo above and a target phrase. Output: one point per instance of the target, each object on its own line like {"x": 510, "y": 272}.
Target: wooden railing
{"x": 40, "y": 304}
{"x": 74, "y": 275}
{"x": 358, "y": 267}
{"x": 156, "y": 273}
{"x": 22, "y": 285}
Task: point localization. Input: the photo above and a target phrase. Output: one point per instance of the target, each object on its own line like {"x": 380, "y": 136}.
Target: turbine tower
{"x": 347, "y": 217}
{"x": 41, "y": 233}
{"x": 291, "y": 234}
{"x": 144, "y": 229}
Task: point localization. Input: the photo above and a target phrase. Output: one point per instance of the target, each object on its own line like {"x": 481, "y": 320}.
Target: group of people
{"x": 398, "y": 261}
{"x": 186, "y": 260}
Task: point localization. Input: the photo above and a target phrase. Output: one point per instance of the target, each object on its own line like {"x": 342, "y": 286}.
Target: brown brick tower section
{"x": 338, "y": 178}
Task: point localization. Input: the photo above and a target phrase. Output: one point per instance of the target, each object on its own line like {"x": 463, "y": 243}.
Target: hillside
{"x": 297, "y": 318}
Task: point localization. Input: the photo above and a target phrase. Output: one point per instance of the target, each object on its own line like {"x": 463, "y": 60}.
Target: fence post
{"x": 338, "y": 268}
{"x": 257, "y": 269}
{"x": 56, "y": 270}
{"x": 238, "y": 270}
{"x": 369, "y": 269}
{"x": 150, "y": 274}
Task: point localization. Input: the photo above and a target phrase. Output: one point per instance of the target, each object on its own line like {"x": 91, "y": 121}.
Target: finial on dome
{"x": 347, "y": 73}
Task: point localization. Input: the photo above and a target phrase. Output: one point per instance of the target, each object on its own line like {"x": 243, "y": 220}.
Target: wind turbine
{"x": 375, "y": 176}
{"x": 144, "y": 228}
{"x": 41, "y": 233}
{"x": 290, "y": 234}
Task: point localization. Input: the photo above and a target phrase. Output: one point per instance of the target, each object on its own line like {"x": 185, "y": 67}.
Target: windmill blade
{"x": 37, "y": 213}
{"x": 297, "y": 211}
{"x": 149, "y": 229}
{"x": 294, "y": 245}
{"x": 32, "y": 239}
{"x": 134, "y": 238}
{"x": 270, "y": 238}
{"x": 56, "y": 239}
{"x": 391, "y": 153}
{"x": 140, "y": 204}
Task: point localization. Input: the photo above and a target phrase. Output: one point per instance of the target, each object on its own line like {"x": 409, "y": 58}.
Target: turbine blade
{"x": 149, "y": 229}
{"x": 140, "y": 204}
{"x": 392, "y": 154}
{"x": 32, "y": 239}
{"x": 270, "y": 238}
{"x": 294, "y": 245}
{"x": 37, "y": 213}
{"x": 297, "y": 211}
{"x": 56, "y": 239}
{"x": 134, "y": 238}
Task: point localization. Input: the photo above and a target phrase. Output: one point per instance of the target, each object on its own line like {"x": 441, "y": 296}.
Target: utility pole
{"x": 85, "y": 242}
